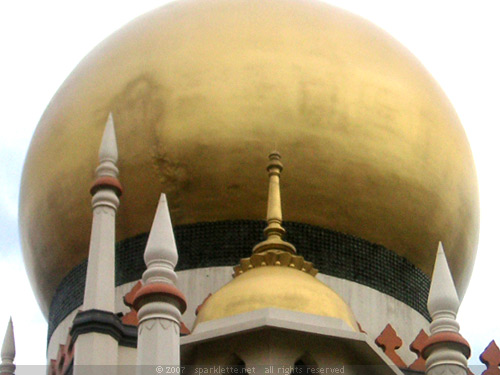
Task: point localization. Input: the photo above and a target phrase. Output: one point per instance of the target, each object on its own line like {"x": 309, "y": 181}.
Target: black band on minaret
{"x": 104, "y": 322}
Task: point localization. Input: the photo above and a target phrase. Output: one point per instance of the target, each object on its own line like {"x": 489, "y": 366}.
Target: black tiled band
{"x": 104, "y": 322}
{"x": 223, "y": 243}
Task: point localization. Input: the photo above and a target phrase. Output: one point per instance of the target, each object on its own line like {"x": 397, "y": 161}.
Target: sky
{"x": 42, "y": 41}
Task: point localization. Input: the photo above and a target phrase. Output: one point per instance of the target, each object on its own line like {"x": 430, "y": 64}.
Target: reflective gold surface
{"x": 202, "y": 90}
{"x": 278, "y": 287}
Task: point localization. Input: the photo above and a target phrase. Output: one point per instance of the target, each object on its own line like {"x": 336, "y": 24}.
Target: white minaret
{"x": 159, "y": 303}
{"x": 446, "y": 351}
{"x": 92, "y": 347}
{"x": 100, "y": 281}
{"x": 7, "y": 366}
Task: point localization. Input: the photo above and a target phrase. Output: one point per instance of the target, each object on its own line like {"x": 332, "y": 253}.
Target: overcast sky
{"x": 42, "y": 41}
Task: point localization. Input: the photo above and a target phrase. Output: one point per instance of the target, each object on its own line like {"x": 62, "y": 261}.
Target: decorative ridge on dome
{"x": 274, "y": 251}
{"x": 275, "y": 258}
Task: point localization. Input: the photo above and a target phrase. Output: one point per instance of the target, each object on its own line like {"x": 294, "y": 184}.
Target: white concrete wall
{"x": 275, "y": 349}
{"x": 373, "y": 310}
{"x": 127, "y": 356}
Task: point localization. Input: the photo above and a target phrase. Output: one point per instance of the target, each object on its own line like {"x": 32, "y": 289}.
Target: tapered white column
{"x": 100, "y": 281}
{"x": 159, "y": 303}
{"x": 7, "y": 366}
{"x": 98, "y": 348}
{"x": 446, "y": 351}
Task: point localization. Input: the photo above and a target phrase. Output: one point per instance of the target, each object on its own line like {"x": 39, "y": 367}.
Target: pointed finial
{"x": 108, "y": 152}
{"x": 9, "y": 347}
{"x": 445, "y": 351}
{"x": 274, "y": 231}
{"x": 443, "y": 302}
{"x": 161, "y": 252}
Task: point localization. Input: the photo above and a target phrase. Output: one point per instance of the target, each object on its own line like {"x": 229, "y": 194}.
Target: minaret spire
{"x": 100, "y": 282}
{"x": 443, "y": 302}
{"x": 8, "y": 353}
{"x": 445, "y": 351}
{"x": 159, "y": 303}
{"x": 98, "y": 346}
{"x": 160, "y": 255}
{"x": 274, "y": 251}
{"x": 108, "y": 152}
{"x": 274, "y": 231}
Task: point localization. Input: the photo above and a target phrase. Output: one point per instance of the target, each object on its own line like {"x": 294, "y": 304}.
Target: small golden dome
{"x": 279, "y": 287}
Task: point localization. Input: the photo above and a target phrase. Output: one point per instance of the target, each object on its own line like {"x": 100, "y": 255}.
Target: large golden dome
{"x": 202, "y": 90}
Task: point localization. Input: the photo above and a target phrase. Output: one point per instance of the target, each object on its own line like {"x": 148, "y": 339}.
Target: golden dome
{"x": 201, "y": 90}
{"x": 279, "y": 287}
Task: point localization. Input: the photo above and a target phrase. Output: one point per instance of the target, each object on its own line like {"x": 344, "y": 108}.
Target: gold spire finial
{"x": 274, "y": 251}
{"x": 274, "y": 231}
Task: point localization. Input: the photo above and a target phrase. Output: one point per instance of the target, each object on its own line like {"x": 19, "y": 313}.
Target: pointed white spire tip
{"x": 443, "y": 294}
{"x": 9, "y": 347}
{"x": 161, "y": 245}
{"x": 109, "y": 150}
{"x": 440, "y": 249}
{"x": 110, "y": 118}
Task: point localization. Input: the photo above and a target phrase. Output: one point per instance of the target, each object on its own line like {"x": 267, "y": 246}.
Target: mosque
{"x": 349, "y": 250}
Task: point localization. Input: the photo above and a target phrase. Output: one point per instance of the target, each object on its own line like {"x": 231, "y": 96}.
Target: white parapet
{"x": 199, "y": 283}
